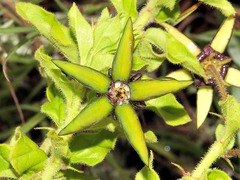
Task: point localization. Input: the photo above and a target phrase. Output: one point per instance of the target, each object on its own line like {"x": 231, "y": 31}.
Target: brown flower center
{"x": 118, "y": 93}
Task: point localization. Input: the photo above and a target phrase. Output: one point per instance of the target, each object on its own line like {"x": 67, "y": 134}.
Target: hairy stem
{"x": 219, "y": 82}
{"x": 146, "y": 14}
{"x": 215, "y": 151}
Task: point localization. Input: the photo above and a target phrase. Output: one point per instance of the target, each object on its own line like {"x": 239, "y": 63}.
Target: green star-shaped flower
{"x": 210, "y": 58}
{"x": 117, "y": 92}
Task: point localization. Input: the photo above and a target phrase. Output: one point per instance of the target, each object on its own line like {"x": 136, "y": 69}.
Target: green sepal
{"x": 169, "y": 109}
{"x": 92, "y": 148}
{"x": 25, "y": 154}
{"x": 221, "y": 39}
{"x": 122, "y": 63}
{"x": 90, "y": 115}
{"x": 48, "y": 26}
{"x": 132, "y": 128}
{"x": 89, "y": 77}
{"x": 149, "y": 89}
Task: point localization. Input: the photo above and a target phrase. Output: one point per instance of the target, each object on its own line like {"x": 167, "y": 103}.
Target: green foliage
{"x": 100, "y": 77}
{"x": 169, "y": 109}
{"x": 223, "y": 5}
{"x": 91, "y": 148}
{"x": 217, "y": 174}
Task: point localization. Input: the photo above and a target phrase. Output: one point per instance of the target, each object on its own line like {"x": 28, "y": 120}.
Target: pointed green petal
{"x": 233, "y": 77}
{"x": 133, "y": 130}
{"x": 90, "y": 115}
{"x": 223, "y": 36}
{"x": 89, "y": 77}
{"x": 149, "y": 89}
{"x": 122, "y": 62}
{"x": 204, "y": 101}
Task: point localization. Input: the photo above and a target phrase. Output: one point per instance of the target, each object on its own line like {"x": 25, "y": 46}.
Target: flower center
{"x": 118, "y": 93}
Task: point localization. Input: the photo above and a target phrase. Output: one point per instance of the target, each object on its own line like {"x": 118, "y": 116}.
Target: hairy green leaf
{"x": 83, "y": 33}
{"x": 55, "y": 108}
{"x": 222, "y": 5}
{"x": 145, "y": 56}
{"x": 126, "y": 8}
{"x": 168, "y": 43}
{"x": 214, "y": 174}
{"x": 73, "y": 92}
{"x": 25, "y": 154}
{"x": 170, "y": 109}
{"x": 147, "y": 173}
{"x": 46, "y": 23}
{"x": 168, "y": 14}
{"x": 91, "y": 149}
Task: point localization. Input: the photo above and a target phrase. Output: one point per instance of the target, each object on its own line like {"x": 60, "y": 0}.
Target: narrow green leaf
{"x": 133, "y": 130}
{"x": 89, "y": 77}
{"x": 214, "y": 174}
{"x": 147, "y": 173}
{"x": 25, "y": 154}
{"x": 149, "y": 89}
{"x": 204, "y": 102}
{"x": 91, "y": 149}
{"x": 46, "y": 23}
{"x": 82, "y": 31}
{"x": 168, "y": 43}
{"x": 169, "y": 109}
{"x": 122, "y": 63}
{"x": 90, "y": 115}
{"x": 127, "y": 8}
{"x": 221, "y": 39}
{"x": 222, "y": 5}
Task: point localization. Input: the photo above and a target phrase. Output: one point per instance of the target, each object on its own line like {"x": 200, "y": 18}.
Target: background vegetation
{"x": 25, "y": 89}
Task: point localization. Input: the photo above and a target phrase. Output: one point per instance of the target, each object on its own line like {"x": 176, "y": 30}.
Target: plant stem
{"x": 146, "y": 14}
{"x": 52, "y": 167}
{"x": 215, "y": 151}
{"x": 219, "y": 82}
